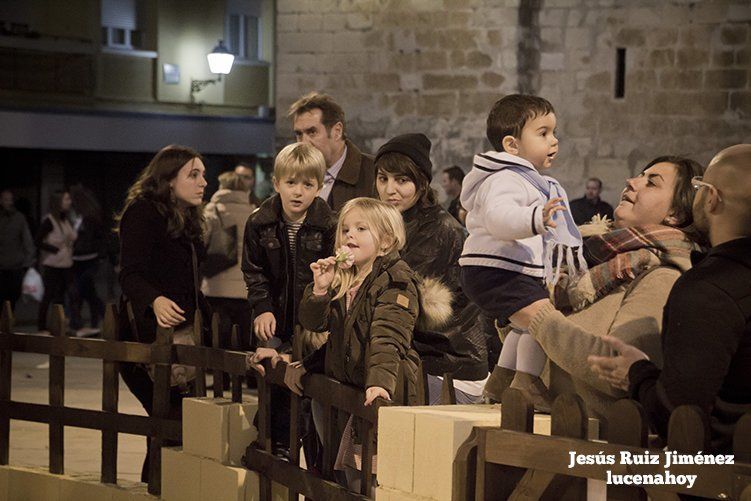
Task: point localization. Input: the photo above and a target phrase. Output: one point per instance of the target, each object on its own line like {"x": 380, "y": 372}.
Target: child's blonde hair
{"x": 300, "y": 160}
{"x": 385, "y": 223}
{"x": 230, "y": 181}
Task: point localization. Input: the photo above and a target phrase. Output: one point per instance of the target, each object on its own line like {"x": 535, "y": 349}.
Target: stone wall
{"x": 437, "y": 66}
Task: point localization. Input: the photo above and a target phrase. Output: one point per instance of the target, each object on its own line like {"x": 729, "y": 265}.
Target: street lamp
{"x": 220, "y": 62}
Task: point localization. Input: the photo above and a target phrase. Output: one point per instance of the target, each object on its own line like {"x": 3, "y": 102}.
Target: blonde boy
{"x": 288, "y": 232}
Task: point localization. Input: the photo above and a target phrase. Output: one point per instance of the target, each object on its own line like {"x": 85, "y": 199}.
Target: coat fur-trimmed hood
{"x": 435, "y": 304}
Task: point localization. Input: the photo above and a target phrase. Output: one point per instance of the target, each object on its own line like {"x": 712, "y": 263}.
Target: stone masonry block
{"x": 437, "y": 105}
{"x": 553, "y": 17}
{"x": 30, "y": 483}
{"x": 241, "y": 429}
{"x": 433, "y": 472}
{"x": 691, "y": 58}
{"x": 286, "y": 22}
{"x": 309, "y": 22}
{"x": 552, "y": 61}
{"x": 406, "y": 440}
{"x": 578, "y": 38}
{"x": 431, "y": 60}
{"x": 222, "y": 483}
{"x": 710, "y": 12}
{"x": 359, "y": 21}
{"x": 253, "y": 489}
{"x": 132, "y": 492}
{"x": 457, "y": 39}
{"x": 477, "y": 59}
{"x": 630, "y": 37}
{"x": 611, "y": 171}
{"x": 492, "y": 79}
{"x": 723, "y": 58}
{"x": 743, "y": 57}
{"x": 734, "y": 35}
{"x": 725, "y": 79}
{"x": 739, "y": 12}
{"x": 386, "y": 494}
{"x": 382, "y": 494}
{"x": 542, "y": 423}
{"x": 457, "y": 82}
{"x": 181, "y": 475}
{"x": 4, "y": 480}
{"x": 450, "y": 18}
{"x": 84, "y": 488}
{"x": 741, "y": 102}
{"x": 206, "y": 427}
{"x": 677, "y": 79}
{"x": 396, "y": 442}
{"x": 305, "y": 42}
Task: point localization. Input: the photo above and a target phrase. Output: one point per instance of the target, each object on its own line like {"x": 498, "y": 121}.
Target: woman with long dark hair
{"x": 160, "y": 249}
{"x": 87, "y": 251}
{"x": 55, "y": 240}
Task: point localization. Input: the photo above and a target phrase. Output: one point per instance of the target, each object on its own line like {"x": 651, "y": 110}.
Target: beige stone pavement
{"x": 29, "y": 442}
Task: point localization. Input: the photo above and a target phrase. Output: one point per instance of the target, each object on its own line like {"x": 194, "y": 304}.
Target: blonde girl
{"x": 366, "y": 297}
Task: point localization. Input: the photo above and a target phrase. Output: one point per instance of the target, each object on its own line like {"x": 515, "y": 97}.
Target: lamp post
{"x": 220, "y": 62}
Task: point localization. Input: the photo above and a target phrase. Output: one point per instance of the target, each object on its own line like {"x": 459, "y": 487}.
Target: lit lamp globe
{"x": 220, "y": 59}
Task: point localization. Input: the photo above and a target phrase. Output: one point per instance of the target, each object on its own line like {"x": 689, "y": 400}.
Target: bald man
{"x": 706, "y": 337}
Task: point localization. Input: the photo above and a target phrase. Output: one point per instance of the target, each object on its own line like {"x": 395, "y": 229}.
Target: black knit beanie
{"x": 415, "y": 146}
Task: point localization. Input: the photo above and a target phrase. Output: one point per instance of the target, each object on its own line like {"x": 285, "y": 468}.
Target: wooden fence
{"x": 339, "y": 402}
{"x": 161, "y": 354}
{"x": 512, "y": 463}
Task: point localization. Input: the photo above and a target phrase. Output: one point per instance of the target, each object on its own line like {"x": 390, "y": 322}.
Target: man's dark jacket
{"x": 355, "y": 179}
{"x": 267, "y": 265}
{"x": 706, "y": 344}
{"x": 582, "y": 209}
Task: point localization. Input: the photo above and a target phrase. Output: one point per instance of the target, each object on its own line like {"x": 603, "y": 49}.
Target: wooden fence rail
{"x": 160, "y": 354}
{"x": 335, "y": 397}
{"x": 511, "y": 462}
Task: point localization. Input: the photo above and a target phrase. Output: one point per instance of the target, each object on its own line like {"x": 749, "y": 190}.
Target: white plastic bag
{"x": 33, "y": 285}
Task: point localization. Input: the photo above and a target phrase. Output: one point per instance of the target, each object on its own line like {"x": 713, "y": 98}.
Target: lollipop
{"x": 344, "y": 257}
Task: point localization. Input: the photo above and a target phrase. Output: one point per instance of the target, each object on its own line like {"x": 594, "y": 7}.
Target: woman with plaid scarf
{"x": 631, "y": 271}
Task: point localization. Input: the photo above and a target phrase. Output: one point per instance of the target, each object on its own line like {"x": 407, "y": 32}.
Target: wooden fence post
{"x": 448, "y": 392}
{"x": 627, "y": 425}
{"x": 161, "y": 350}
{"x": 368, "y": 437}
{"x": 200, "y": 382}
{"x": 294, "y": 436}
{"x": 568, "y": 419}
{"x": 264, "y": 430}
{"x": 742, "y": 453}
{"x": 218, "y": 376}
{"x": 110, "y": 398}
{"x": 6, "y": 364}
{"x": 517, "y": 414}
{"x": 688, "y": 430}
{"x": 57, "y": 393}
{"x": 496, "y": 481}
{"x": 237, "y": 380}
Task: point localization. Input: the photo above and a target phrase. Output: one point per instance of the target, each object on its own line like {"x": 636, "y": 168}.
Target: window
{"x": 243, "y": 29}
{"x": 119, "y": 24}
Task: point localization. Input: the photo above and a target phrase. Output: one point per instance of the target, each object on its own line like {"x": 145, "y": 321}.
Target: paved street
{"x": 83, "y": 389}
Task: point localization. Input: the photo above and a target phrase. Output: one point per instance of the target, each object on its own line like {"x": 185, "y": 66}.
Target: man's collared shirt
{"x": 330, "y": 176}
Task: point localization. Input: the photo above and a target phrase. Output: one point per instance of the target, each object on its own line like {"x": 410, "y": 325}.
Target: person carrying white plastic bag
{"x": 32, "y": 284}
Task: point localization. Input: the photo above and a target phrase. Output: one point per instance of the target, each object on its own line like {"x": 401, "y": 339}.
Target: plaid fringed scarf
{"x": 616, "y": 258}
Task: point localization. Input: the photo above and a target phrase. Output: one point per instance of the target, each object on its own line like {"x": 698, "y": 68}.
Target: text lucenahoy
{"x": 665, "y": 458}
